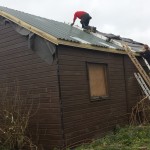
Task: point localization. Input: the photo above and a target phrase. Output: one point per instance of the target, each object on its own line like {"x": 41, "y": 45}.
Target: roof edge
{"x": 92, "y": 47}
{"x": 30, "y": 27}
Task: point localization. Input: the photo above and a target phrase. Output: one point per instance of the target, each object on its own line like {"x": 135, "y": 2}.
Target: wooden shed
{"x": 84, "y": 84}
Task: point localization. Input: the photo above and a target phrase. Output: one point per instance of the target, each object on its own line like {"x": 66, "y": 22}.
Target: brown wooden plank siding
{"x": 84, "y": 119}
{"x": 34, "y": 75}
{"x": 133, "y": 92}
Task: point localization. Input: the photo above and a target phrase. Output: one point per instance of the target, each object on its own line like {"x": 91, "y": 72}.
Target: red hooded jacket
{"x": 78, "y": 14}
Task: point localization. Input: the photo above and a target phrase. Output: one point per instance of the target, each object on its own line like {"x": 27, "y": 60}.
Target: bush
{"x": 14, "y": 120}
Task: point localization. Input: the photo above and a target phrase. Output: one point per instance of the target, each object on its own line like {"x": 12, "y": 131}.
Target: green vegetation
{"x": 128, "y": 138}
{"x": 14, "y": 119}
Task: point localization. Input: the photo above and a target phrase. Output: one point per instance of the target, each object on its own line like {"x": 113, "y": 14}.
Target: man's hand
{"x": 72, "y": 24}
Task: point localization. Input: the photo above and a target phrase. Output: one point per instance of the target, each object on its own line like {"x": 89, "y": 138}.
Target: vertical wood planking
{"x": 34, "y": 76}
{"x": 83, "y": 118}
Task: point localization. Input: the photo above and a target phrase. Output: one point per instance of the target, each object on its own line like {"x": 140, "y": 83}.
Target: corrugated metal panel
{"x": 136, "y": 46}
{"x": 58, "y": 29}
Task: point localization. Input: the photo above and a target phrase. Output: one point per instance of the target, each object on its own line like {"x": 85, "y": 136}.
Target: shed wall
{"x": 83, "y": 118}
{"x": 132, "y": 86}
{"x": 34, "y": 76}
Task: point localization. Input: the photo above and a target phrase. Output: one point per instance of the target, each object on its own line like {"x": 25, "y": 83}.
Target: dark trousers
{"x": 85, "y": 19}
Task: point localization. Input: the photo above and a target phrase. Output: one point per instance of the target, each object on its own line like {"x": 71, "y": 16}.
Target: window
{"x": 98, "y": 80}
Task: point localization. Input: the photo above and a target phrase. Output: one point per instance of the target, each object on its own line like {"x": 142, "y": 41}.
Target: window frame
{"x": 98, "y": 98}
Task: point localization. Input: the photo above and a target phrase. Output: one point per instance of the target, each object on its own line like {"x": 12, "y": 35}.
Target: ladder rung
{"x": 142, "y": 84}
{"x": 137, "y": 64}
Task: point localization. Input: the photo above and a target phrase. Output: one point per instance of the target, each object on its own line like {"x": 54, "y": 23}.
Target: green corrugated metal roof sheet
{"x": 58, "y": 29}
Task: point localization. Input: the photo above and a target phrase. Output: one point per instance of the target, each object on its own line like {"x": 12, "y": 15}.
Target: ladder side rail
{"x": 147, "y": 64}
{"x": 137, "y": 64}
{"x": 134, "y": 59}
{"x": 145, "y": 92}
{"x": 144, "y": 84}
{"x": 141, "y": 70}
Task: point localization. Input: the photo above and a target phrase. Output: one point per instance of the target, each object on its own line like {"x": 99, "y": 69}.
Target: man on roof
{"x": 84, "y": 17}
{"x": 146, "y": 53}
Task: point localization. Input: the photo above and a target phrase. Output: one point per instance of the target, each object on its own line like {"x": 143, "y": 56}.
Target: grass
{"x": 128, "y": 138}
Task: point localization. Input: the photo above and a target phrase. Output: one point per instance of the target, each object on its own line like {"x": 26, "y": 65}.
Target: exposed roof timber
{"x": 99, "y": 35}
{"x": 88, "y": 46}
{"x": 29, "y": 27}
{"x": 105, "y": 38}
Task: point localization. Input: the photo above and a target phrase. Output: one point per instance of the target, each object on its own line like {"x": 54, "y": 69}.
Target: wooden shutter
{"x": 97, "y": 79}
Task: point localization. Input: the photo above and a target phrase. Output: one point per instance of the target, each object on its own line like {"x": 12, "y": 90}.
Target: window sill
{"x": 99, "y": 98}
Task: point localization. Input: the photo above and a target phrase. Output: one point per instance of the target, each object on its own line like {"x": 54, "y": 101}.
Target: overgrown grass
{"x": 128, "y": 138}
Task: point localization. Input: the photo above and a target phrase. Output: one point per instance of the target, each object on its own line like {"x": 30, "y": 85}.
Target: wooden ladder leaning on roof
{"x": 137, "y": 64}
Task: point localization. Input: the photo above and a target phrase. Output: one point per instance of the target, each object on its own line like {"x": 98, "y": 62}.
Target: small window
{"x": 98, "y": 80}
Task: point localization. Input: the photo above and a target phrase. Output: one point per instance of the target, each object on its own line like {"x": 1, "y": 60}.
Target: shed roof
{"x": 61, "y": 33}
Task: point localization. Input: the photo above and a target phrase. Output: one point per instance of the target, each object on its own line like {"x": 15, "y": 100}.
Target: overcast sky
{"x": 127, "y": 18}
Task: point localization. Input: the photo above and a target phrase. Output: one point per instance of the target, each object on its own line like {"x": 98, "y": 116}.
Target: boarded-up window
{"x": 98, "y": 80}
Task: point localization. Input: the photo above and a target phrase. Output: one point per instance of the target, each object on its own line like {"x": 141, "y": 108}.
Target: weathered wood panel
{"x": 83, "y": 118}
{"x": 35, "y": 76}
{"x": 133, "y": 92}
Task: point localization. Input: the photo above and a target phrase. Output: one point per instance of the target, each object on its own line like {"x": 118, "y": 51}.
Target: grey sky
{"x": 127, "y": 18}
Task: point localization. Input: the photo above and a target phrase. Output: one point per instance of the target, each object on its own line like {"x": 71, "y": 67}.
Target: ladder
{"x": 137, "y": 64}
{"x": 142, "y": 84}
{"x": 147, "y": 64}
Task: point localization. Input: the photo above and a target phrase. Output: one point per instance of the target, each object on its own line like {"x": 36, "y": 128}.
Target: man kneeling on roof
{"x": 85, "y": 18}
{"x": 146, "y": 53}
